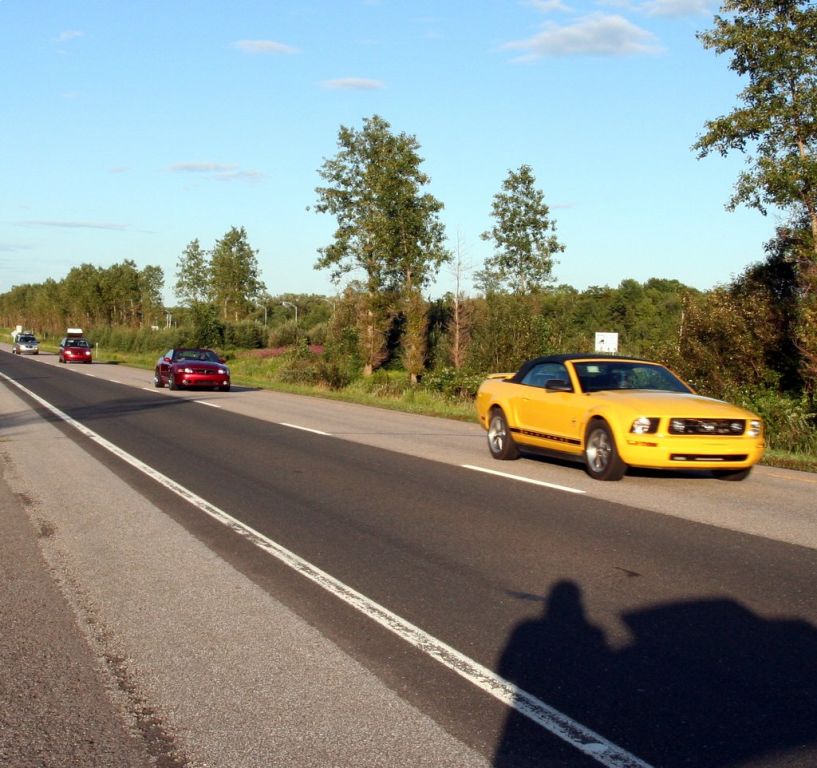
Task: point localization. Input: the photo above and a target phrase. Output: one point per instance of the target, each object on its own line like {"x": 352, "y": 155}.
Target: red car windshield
{"x": 200, "y": 355}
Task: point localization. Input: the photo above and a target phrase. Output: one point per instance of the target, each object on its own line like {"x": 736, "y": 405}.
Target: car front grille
{"x": 693, "y": 457}
{"x": 707, "y": 426}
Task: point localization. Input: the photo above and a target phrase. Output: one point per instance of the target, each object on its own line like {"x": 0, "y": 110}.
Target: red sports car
{"x": 190, "y": 367}
{"x": 74, "y": 350}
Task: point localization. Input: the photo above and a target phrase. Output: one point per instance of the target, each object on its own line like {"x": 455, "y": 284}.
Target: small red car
{"x": 191, "y": 367}
{"x": 74, "y": 350}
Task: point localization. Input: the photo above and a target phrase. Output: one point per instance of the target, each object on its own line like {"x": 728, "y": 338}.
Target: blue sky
{"x": 129, "y": 129}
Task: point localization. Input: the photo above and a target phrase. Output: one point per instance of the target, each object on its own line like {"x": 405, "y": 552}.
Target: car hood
{"x": 674, "y": 404}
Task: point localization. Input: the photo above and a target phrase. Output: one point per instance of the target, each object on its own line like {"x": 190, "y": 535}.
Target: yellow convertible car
{"x": 613, "y": 413}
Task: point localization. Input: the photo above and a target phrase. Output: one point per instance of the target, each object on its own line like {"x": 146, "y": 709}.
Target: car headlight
{"x": 755, "y": 428}
{"x": 644, "y": 425}
{"x": 224, "y": 371}
{"x": 187, "y": 370}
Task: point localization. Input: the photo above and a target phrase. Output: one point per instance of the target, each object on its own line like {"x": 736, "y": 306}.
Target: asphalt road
{"x": 673, "y": 617}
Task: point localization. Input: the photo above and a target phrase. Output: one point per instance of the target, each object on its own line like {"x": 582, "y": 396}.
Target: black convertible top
{"x": 528, "y": 364}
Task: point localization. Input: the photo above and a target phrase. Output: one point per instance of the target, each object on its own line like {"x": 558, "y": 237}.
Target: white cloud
{"x": 73, "y": 225}
{"x": 71, "y": 34}
{"x": 264, "y": 46}
{"x": 353, "y": 84}
{"x": 594, "y": 35}
{"x": 676, "y": 8}
{"x": 548, "y": 6}
{"x": 202, "y": 167}
{"x": 239, "y": 176}
{"x": 218, "y": 171}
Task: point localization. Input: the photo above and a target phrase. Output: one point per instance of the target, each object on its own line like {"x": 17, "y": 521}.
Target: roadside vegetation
{"x": 382, "y": 339}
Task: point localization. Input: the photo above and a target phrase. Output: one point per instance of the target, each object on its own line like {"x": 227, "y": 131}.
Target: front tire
{"x": 500, "y": 442}
{"x": 600, "y": 454}
{"x": 171, "y": 382}
{"x": 734, "y": 475}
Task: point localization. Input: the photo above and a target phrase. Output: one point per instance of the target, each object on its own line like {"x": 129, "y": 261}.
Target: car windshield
{"x": 599, "y": 375}
{"x": 202, "y": 355}
{"x": 76, "y": 343}
{"x": 27, "y": 340}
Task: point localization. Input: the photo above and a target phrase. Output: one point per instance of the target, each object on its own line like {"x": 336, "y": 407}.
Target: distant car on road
{"x": 614, "y": 412}
{"x": 74, "y": 350}
{"x": 25, "y": 344}
{"x": 191, "y": 367}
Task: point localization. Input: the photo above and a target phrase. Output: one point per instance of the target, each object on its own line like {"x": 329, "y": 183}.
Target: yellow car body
{"x": 616, "y": 412}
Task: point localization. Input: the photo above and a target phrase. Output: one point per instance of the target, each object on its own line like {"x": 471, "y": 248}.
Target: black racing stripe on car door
{"x": 545, "y": 436}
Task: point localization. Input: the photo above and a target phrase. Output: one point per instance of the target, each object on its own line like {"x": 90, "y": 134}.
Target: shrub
{"x": 452, "y": 383}
{"x": 790, "y": 426}
{"x": 246, "y": 335}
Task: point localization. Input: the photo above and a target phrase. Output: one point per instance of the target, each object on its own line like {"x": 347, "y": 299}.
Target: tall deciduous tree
{"x": 523, "y": 235}
{"x": 773, "y": 44}
{"x": 388, "y": 229}
{"x": 235, "y": 274}
{"x": 193, "y": 280}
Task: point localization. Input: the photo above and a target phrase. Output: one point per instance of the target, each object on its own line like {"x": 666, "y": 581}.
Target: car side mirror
{"x": 558, "y": 385}
{"x": 222, "y": 360}
{"x": 166, "y": 360}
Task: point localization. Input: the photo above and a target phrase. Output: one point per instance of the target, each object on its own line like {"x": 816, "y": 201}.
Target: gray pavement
{"x": 59, "y": 703}
{"x": 127, "y": 642}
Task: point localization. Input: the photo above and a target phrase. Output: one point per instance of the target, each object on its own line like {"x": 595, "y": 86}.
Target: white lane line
{"x": 565, "y": 488}
{"x": 305, "y": 429}
{"x": 204, "y": 402}
{"x": 560, "y": 725}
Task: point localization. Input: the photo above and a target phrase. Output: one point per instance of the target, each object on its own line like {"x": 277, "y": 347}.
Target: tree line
{"x": 759, "y": 332}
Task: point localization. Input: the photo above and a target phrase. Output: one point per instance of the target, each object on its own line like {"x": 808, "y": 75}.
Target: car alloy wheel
{"x": 157, "y": 381}
{"x": 171, "y": 382}
{"x": 601, "y": 457}
{"x": 500, "y": 442}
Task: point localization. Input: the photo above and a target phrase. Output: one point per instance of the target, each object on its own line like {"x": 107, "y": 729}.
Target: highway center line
{"x": 565, "y": 488}
{"x": 560, "y": 725}
{"x": 305, "y": 429}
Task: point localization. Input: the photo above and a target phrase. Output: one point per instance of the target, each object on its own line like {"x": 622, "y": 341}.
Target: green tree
{"x": 151, "y": 281}
{"x": 193, "y": 279}
{"x": 388, "y": 229}
{"x": 523, "y": 236}
{"x": 236, "y": 282}
{"x": 773, "y": 44}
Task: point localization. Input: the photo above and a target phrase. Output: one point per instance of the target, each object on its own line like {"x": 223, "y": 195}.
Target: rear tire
{"x": 500, "y": 442}
{"x": 734, "y": 475}
{"x": 600, "y": 454}
{"x": 157, "y": 381}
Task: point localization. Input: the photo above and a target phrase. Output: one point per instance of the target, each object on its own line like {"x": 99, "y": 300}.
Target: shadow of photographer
{"x": 704, "y": 683}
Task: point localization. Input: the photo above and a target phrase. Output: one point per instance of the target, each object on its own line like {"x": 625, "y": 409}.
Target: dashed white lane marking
{"x": 560, "y": 725}
{"x": 204, "y": 402}
{"x": 306, "y": 429}
{"x": 565, "y": 488}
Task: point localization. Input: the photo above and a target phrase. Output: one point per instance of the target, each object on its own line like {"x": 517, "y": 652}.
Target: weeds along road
{"x": 338, "y": 585}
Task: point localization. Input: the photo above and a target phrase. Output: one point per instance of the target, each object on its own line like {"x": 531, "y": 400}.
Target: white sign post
{"x": 607, "y": 342}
